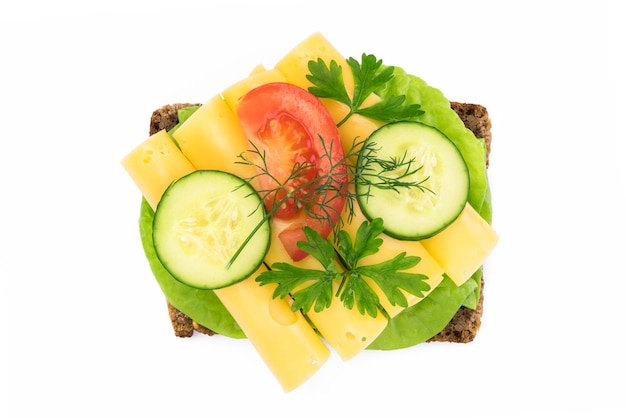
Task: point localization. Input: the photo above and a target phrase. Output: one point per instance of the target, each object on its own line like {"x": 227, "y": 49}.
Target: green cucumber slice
{"x": 199, "y": 224}
{"x": 421, "y": 155}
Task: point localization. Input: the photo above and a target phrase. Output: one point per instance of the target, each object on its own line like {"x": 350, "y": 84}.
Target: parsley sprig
{"x": 313, "y": 288}
{"x": 369, "y": 76}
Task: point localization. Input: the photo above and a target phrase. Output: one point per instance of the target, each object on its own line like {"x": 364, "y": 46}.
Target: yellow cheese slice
{"x": 258, "y": 69}
{"x": 212, "y": 139}
{"x": 344, "y": 330}
{"x": 347, "y": 331}
{"x": 353, "y": 131}
{"x": 390, "y": 248}
{"x": 285, "y": 341}
{"x": 233, "y": 94}
{"x": 154, "y": 164}
{"x": 295, "y": 64}
{"x": 463, "y": 246}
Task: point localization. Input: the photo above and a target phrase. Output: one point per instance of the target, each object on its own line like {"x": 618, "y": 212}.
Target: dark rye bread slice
{"x": 465, "y": 323}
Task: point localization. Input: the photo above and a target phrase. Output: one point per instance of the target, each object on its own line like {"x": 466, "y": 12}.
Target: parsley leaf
{"x": 328, "y": 81}
{"x": 391, "y": 109}
{"x": 313, "y": 288}
{"x": 365, "y": 242}
{"x": 388, "y": 277}
{"x": 369, "y": 76}
{"x": 357, "y": 291}
{"x": 309, "y": 287}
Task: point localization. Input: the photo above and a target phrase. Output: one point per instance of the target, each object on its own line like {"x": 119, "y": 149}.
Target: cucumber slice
{"x": 411, "y": 213}
{"x": 201, "y": 221}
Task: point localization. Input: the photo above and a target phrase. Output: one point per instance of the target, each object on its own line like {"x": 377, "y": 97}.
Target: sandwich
{"x": 335, "y": 257}
{"x": 465, "y": 323}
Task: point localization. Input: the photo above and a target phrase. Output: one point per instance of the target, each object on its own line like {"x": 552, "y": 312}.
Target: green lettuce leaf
{"x": 183, "y": 115}
{"x": 437, "y": 113}
{"x": 203, "y": 306}
{"x": 424, "y": 320}
{"x": 419, "y": 322}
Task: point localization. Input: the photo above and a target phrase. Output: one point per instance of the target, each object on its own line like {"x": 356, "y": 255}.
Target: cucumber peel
{"x": 200, "y": 223}
{"x": 423, "y": 157}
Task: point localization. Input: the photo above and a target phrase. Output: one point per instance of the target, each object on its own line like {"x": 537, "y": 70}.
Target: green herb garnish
{"x": 415, "y": 324}
{"x": 312, "y": 288}
{"x": 369, "y": 76}
{"x": 314, "y": 197}
{"x": 392, "y": 174}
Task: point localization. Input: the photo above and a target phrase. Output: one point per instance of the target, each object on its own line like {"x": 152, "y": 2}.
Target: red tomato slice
{"x": 288, "y": 124}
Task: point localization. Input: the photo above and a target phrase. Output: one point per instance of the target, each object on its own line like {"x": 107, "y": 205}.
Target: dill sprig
{"x": 388, "y": 174}
{"x": 315, "y": 196}
{"x": 312, "y": 196}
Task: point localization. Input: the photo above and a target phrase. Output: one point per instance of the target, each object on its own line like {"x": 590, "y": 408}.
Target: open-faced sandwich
{"x": 323, "y": 204}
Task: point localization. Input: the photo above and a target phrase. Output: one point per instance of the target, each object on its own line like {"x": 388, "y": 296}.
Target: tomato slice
{"x": 302, "y": 156}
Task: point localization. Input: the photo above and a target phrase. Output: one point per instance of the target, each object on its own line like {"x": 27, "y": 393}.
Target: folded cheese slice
{"x": 284, "y": 339}
{"x": 463, "y": 246}
{"x": 154, "y": 164}
{"x": 347, "y": 331}
{"x": 212, "y": 139}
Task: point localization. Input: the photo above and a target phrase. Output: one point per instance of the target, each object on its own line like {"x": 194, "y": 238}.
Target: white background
{"x": 85, "y": 331}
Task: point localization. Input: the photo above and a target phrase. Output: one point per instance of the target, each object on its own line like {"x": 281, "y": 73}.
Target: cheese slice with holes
{"x": 154, "y": 164}
{"x": 284, "y": 339}
{"x": 347, "y": 331}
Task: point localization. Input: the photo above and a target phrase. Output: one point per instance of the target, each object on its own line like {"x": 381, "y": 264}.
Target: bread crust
{"x": 466, "y": 322}
{"x": 475, "y": 118}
